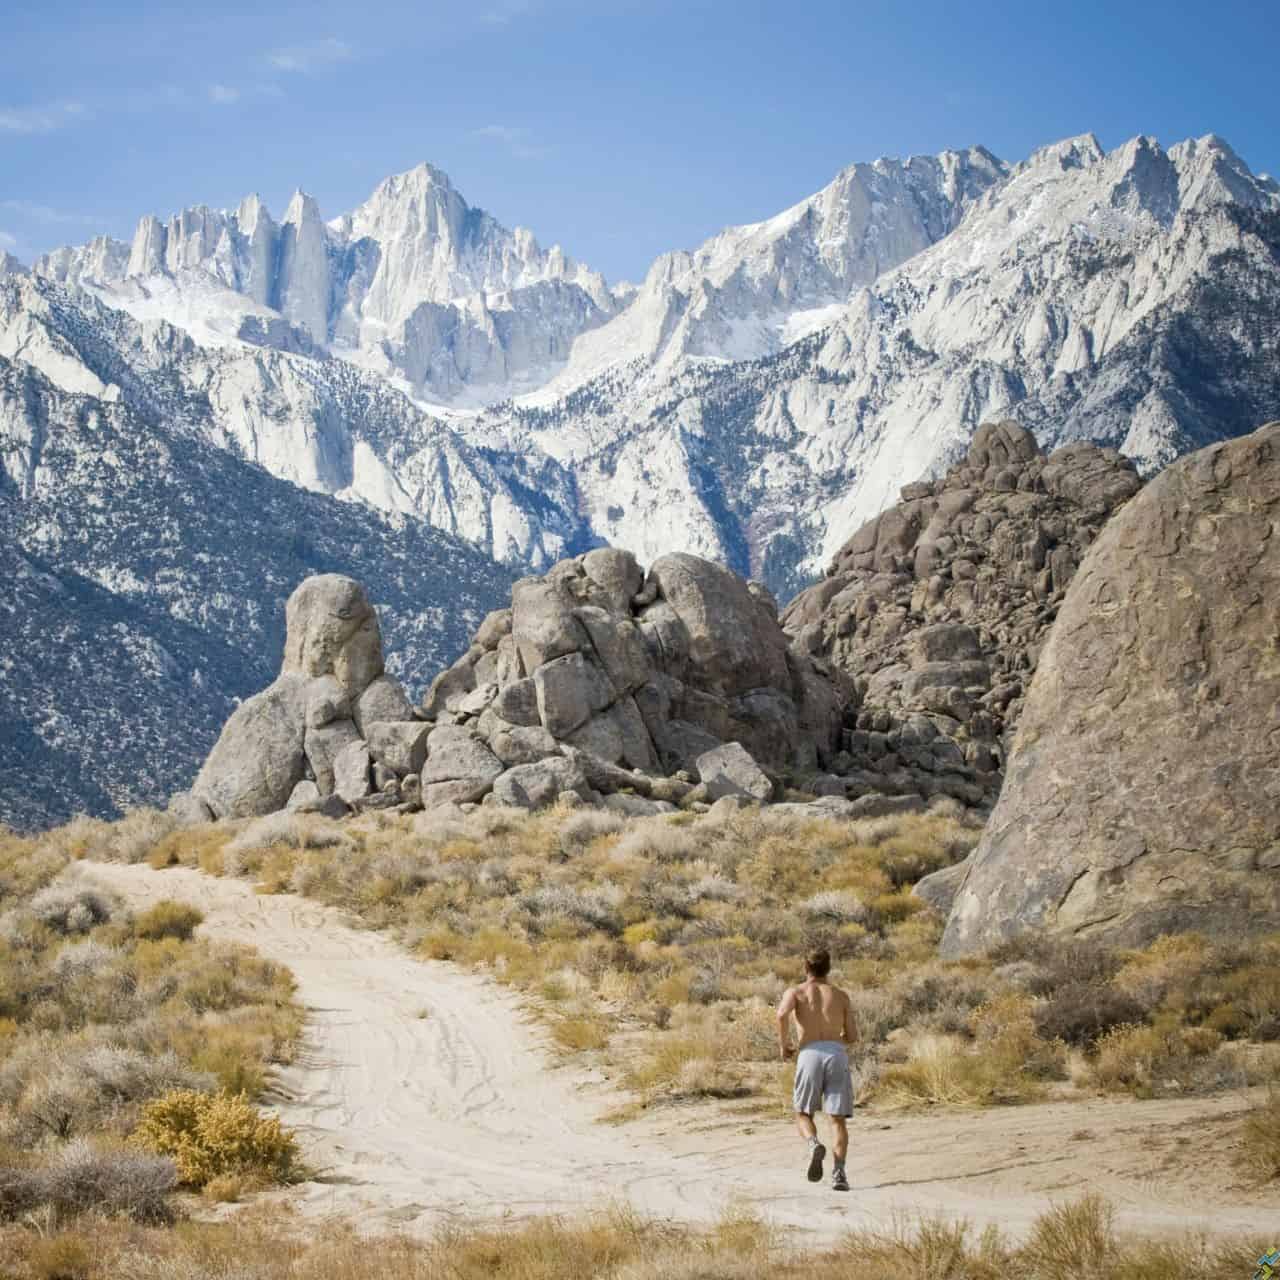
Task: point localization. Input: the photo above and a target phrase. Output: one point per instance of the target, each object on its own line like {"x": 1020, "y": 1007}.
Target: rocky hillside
{"x": 1142, "y": 795}
{"x": 146, "y": 576}
{"x": 938, "y": 608}
{"x": 322, "y": 424}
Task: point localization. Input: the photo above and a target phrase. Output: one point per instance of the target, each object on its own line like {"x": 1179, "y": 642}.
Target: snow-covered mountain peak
{"x": 752, "y": 289}
{"x": 1210, "y": 171}
{"x": 301, "y": 208}
{"x": 10, "y": 266}
{"x": 1080, "y": 152}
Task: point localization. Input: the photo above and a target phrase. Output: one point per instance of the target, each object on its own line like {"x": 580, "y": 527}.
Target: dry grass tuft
{"x": 1074, "y": 1241}
{"x": 1260, "y": 1140}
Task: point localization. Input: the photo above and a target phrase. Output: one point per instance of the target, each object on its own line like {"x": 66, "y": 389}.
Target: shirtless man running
{"x": 827, "y": 1026}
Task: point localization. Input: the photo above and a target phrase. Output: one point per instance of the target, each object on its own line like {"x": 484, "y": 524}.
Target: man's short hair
{"x": 818, "y": 962}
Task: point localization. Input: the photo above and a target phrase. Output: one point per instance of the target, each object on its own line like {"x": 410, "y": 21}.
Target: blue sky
{"x": 619, "y": 128}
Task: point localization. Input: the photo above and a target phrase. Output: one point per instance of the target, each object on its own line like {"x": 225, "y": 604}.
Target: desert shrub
{"x": 940, "y": 999}
{"x": 62, "y": 1093}
{"x": 167, "y": 919}
{"x": 579, "y": 1034}
{"x": 1259, "y": 1151}
{"x": 69, "y": 908}
{"x": 76, "y": 961}
{"x": 1074, "y": 1239}
{"x": 1057, "y": 963}
{"x": 587, "y": 826}
{"x": 1079, "y": 1012}
{"x": 1172, "y": 962}
{"x": 592, "y": 908}
{"x": 1165, "y": 1056}
{"x": 836, "y": 906}
{"x": 288, "y": 830}
{"x": 215, "y": 1135}
{"x": 658, "y": 840}
{"x": 136, "y": 835}
{"x": 79, "y": 1178}
{"x": 1006, "y": 1061}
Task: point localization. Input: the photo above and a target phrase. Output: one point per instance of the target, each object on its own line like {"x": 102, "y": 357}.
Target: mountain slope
{"x": 318, "y": 422}
{"x": 755, "y": 400}
{"x": 147, "y": 577}
{"x": 1130, "y": 298}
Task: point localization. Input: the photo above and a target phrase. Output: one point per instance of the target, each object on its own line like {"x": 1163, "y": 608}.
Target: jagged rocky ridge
{"x": 756, "y": 400}
{"x": 937, "y": 609}
{"x": 414, "y": 283}
{"x": 1129, "y": 298}
{"x": 145, "y": 575}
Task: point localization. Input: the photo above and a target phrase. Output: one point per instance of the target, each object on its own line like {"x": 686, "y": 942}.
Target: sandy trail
{"x": 425, "y": 1093}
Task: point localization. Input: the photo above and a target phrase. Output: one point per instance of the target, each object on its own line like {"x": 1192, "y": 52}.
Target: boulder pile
{"x": 598, "y": 681}
{"x": 939, "y": 608}
{"x": 1143, "y": 792}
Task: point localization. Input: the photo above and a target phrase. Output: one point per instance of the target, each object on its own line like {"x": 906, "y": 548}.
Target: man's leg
{"x": 817, "y": 1152}
{"x": 805, "y": 1101}
{"x": 841, "y": 1145}
{"x": 840, "y": 1148}
{"x": 808, "y": 1130}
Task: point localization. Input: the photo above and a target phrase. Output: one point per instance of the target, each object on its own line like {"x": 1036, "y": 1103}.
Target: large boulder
{"x": 258, "y": 758}
{"x": 459, "y": 767}
{"x": 1143, "y": 793}
{"x": 730, "y": 771}
{"x": 332, "y": 629}
{"x": 536, "y": 786}
{"x": 298, "y": 727}
{"x": 384, "y": 700}
{"x": 940, "y": 605}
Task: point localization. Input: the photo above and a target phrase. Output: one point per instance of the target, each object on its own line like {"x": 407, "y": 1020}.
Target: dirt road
{"x": 425, "y": 1093}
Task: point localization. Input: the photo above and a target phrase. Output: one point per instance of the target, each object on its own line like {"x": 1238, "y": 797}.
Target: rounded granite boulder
{"x": 1143, "y": 788}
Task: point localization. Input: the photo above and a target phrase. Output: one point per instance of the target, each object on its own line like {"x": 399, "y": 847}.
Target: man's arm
{"x": 785, "y": 1010}
{"x": 850, "y": 1022}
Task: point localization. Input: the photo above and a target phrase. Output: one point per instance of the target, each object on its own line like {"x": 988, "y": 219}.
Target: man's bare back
{"x": 823, "y": 1012}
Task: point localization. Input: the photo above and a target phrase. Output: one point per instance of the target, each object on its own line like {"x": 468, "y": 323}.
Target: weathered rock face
{"x": 298, "y": 742}
{"x": 1143, "y": 793}
{"x": 644, "y": 673}
{"x": 938, "y": 608}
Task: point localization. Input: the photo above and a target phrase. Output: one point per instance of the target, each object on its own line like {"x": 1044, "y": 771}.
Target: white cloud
{"x": 43, "y": 213}
{"x": 41, "y": 119}
{"x": 517, "y": 140}
{"x": 223, "y": 95}
{"x": 311, "y": 57}
{"x": 503, "y": 14}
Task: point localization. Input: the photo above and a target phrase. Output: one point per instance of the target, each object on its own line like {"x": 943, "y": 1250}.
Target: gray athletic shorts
{"x": 823, "y": 1079}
